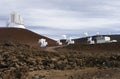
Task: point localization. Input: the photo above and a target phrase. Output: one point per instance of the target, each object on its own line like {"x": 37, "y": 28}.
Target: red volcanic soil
{"x": 23, "y": 36}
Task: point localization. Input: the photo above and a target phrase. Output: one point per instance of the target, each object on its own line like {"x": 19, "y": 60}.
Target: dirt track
{"x": 53, "y": 48}
{"x": 88, "y": 73}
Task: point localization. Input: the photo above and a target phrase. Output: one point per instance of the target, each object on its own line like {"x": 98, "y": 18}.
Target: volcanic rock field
{"x": 79, "y": 61}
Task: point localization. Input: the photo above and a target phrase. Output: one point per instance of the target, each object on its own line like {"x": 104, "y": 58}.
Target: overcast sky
{"x": 54, "y": 18}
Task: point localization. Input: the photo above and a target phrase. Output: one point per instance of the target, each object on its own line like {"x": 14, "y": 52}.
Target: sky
{"x": 54, "y": 18}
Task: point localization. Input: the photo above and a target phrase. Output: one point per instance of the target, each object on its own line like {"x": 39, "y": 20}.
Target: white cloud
{"x": 66, "y": 20}
{"x": 65, "y": 14}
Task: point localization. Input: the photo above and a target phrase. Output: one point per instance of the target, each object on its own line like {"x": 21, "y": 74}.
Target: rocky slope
{"x": 18, "y": 61}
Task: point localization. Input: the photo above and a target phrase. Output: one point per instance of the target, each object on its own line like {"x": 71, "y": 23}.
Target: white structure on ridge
{"x": 15, "y": 20}
{"x": 90, "y": 40}
{"x": 42, "y": 42}
{"x": 70, "y": 41}
{"x": 102, "y": 39}
{"x": 59, "y": 43}
{"x": 99, "y": 39}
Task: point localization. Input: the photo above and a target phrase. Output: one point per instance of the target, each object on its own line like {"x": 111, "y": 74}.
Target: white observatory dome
{"x": 15, "y": 20}
{"x": 19, "y": 26}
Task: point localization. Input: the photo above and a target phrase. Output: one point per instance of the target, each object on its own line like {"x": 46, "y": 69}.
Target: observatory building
{"x": 15, "y": 20}
{"x": 16, "y": 32}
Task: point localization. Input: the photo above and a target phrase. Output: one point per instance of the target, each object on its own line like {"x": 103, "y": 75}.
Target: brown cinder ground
{"x": 23, "y": 36}
{"x": 80, "y": 61}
